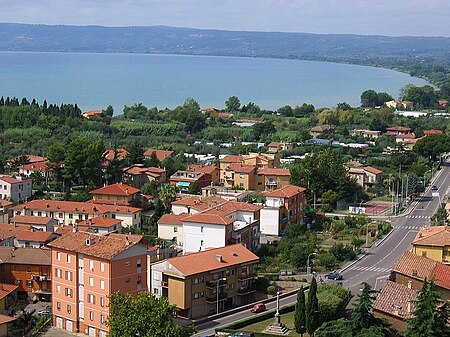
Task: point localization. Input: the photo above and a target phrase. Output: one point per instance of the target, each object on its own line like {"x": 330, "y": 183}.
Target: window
{"x": 102, "y": 284}
{"x": 39, "y": 213}
{"x": 58, "y": 305}
{"x": 80, "y": 216}
{"x": 102, "y": 267}
{"x": 139, "y": 263}
{"x": 58, "y": 289}
{"x": 91, "y": 265}
{"x": 28, "y": 269}
{"x": 139, "y": 280}
{"x": 29, "y": 284}
{"x": 31, "y": 213}
{"x": 127, "y": 280}
{"x": 196, "y": 295}
{"x": 68, "y": 275}
{"x": 241, "y": 184}
{"x": 102, "y": 319}
{"x": 69, "y": 258}
{"x": 91, "y": 298}
{"x": 102, "y": 301}
{"x": 91, "y": 315}
{"x": 155, "y": 291}
{"x": 202, "y": 229}
{"x": 70, "y": 216}
{"x": 58, "y": 256}
{"x": 241, "y": 175}
{"x": 58, "y": 272}
{"x": 259, "y": 183}
{"x": 113, "y": 216}
{"x": 91, "y": 281}
{"x": 201, "y": 243}
{"x": 127, "y": 263}
{"x": 68, "y": 292}
{"x": 175, "y": 229}
{"x": 424, "y": 254}
{"x": 16, "y": 268}
{"x": 69, "y": 308}
{"x": 60, "y": 215}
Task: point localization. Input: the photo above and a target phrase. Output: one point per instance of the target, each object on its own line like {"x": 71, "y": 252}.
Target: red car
{"x": 258, "y": 307}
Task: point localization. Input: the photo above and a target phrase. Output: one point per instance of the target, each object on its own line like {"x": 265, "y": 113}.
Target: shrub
{"x": 271, "y": 290}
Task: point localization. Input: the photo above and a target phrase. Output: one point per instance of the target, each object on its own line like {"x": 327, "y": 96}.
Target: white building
{"x": 18, "y": 190}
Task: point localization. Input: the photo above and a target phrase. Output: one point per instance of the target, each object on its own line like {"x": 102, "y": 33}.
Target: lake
{"x": 94, "y": 81}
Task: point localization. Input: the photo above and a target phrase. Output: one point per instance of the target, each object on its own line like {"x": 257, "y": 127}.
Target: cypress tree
{"x": 300, "y": 312}
{"x": 312, "y": 309}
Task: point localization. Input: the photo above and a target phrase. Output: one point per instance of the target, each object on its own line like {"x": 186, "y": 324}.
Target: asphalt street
{"x": 374, "y": 267}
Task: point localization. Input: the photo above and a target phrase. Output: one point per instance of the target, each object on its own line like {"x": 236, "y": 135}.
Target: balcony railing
{"x": 246, "y": 276}
{"x": 213, "y": 299}
{"x": 213, "y": 284}
{"x": 246, "y": 290}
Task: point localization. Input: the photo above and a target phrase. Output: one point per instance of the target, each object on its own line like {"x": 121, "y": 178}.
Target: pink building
{"x": 87, "y": 269}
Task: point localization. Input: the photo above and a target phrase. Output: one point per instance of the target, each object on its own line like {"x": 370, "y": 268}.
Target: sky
{"x": 367, "y": 17}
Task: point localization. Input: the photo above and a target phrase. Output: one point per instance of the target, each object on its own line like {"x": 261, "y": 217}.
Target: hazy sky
{"x": 383, "y": 17}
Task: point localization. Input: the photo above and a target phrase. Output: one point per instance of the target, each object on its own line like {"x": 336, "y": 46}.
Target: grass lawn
{"x": 287, "y": 319}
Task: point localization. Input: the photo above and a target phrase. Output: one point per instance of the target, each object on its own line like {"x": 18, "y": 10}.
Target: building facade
{"x": 18, "y": 190}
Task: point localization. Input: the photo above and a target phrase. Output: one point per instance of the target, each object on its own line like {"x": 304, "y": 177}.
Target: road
{"x": 375, "y": 267}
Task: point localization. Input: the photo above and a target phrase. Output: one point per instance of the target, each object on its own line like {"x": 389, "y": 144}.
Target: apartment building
{"x": 44, "y": 224}
{"x": 138, "y": 175}
{"x": 365, "y": 176}
{"x": 116, "y": 194}
{"x": 70, "y": 212}
{"x": 434, "y": 243}
{"x": 206, "y": 282}
{"x": 275, "y": 147}
{"x": 29, "y": 269}
{"x": 15, "y": 189}
{"x": 39, "y": 167}
{"x": 100, "y": 225}
{"x": 272, "y": 178}
{"x": 211, "y": 170}
{"x": 283, "y": 206}
{"x": 369, "y": 134}
{"x": 86, "y": 269}
{"x": 183, "y": 180}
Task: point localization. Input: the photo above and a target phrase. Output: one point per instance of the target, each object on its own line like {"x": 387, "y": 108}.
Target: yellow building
{"x": 434, "y": 243}
{"x": 272, "y": 178}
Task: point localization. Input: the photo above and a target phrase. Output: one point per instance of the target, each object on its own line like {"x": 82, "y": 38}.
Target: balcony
{"x": 245, "y": 290}
{"x": 213, "y": 283}
{"x": 246, "y": 276}
{"x": 213, "y": 299}
{"x": 164, "y": 284}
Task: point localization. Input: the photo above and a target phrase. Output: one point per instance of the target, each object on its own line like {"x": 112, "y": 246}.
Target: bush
{"x": 342, "y": 252}
{"x": 332, "y": 299}
{"x": 272, "y": 290}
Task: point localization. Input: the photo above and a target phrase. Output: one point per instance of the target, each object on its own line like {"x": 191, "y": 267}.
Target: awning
{"x": 183, "y": 184}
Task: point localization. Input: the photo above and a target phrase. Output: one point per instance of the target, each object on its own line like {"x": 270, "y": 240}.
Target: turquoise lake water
{"x": 94, "y": 81}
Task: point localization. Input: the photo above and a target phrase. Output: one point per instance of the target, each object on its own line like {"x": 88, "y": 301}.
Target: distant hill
{"x": 170, "y": 40}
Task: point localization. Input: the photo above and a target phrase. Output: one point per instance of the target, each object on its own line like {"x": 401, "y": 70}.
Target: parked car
{"x": 334, "y": 276}
{"x": 242, "y": 334}
{"x": 258, "y": 307}
{"x": 44, "y": 312}
{"x": 434, "y": 188}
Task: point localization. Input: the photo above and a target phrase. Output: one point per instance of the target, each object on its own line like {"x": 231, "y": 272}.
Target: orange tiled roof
{"x": 274, "y": 172}
{"x": 241, "y": 168}
{"x": 209, "y": 169}
{"x": 6, "y": 289}
{"x": 38, "y": 166}
{"x": 215, "y": 219}
{"x": 6, "y": 319}
{"x": 92, "y": 113}
{"x": 432, "y": 132}
{"x": 9, "y": 230}
{"x": 172, "y": 219}
{"x": 398, "y": 128}
{"x": 26, "y": 255}
{"x": 287, "y": 191}
{"x": 207, "y": 261}
{"x": 73, "y": 207}
{"x": 11, "y": 180}
{"x": 231, "y": 158}
{"x": 100, "y": 222}
{"x": 29, "y": 219}
{"x": 36, "y": 236}
{"x": 394, "y": 298}
{"x": 104, "y": 247}
{"x": 372, "y": 170}
{"x": 5, "y": 203}
{"x": 116, "y": 189}
{"x": 408, "y": 135}
{"x": 433, "y": 236}
{"x": 160, "y": 154}
{"x": 121, "y": 154}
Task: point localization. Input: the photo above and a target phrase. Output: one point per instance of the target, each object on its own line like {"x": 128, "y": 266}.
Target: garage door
{"x": 59, "y": 322}
{"x": 69, "y": 325}
{"x": 91, "y": 332}
{"x": 102, "y": 333}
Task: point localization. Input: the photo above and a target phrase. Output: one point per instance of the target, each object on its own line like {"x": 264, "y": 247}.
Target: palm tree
{"x": 167, "y": 194}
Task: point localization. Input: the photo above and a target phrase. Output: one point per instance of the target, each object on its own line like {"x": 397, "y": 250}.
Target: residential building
{"x": 411, "y": 270}
{"x": 397, "y": 130}
{"x": 442, "y": 103}
{"x": 225, "y": 193}
{"x": 366, "y": 176}
{"x": 240, "y": 176}
{"x": 320, "y": 130}
{"x": 369, "y": 134}
{"x": 170, "y": 227}
{"x": 212, "y": 170}
{"x": 33, "y": 238}
{"x": 44, "y": 224}
{"x": 4, "y": 324}
{"x": 71, "y": 212}
{"x": 92, "y": 114}
{"x": 399, "y": 104}
{"x": 37, "y": 168}
{"x": 87, "y": 268}
{"x": 138, "y": 175}
{"x": 201, "y": 283}
{"x": 100, "y": 225}
{"x": 15, "y": 189}
{"x": 272, "y": 178}
{"x": 434, "y": 243}
{"x": 119, "y": 154}
{"x": 262, "y": 160}
{"x": 29, "y": 269}
{"x": 116, "y": 194}
{"x": 8, "y": 233}
{"x": 283, "y": 206}
{"x": 8, "y": 299}
{"x": 276, "y": 147}
{"x": 5, "y": 210}
{"x": 184, "y": 179}
{"x": 160, "y": 154}
{"x": 432, "y": 132}
{"x": 403, "y": 138}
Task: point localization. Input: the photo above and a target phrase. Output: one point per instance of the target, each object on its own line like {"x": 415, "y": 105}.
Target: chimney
{"x": 408, "y": 308}
{"x": 88, "y": 242}
{"x": 409, "y": 285}
{"x": 414, "y": 272}
{"x": 75, "y": 228}
{"x": 219, "y": 258}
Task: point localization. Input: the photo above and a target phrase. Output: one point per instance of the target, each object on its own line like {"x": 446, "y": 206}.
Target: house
{"x": 8, "y": 233}
{"x": 262, "y": 160}
{"x": 92, "y": 114}
{"x": 27, "y": 170}
{"x": 116, "y": 194}
{"x": 138, "y": 175}
{"x": 170, "y": 227}
{"x": 434, "y": 243}
{"x": 365, "y": 176}
{"x": 45, "y": 224}
{"x": 225, "y": 193}
{"x": 8, "y": 299}
{"x": 160, "y": 154}
{"x": 100, "y": 225}
{"x": 15, "y": 189}
{"x": 119, "y": 154}
{"x": 399, "y": 104}
{"x": 283, "y": 206}
{"x": 369, "y": 134}
{"x": 276, "y": 147}
{"x": 240, "y": 176}
{"x": 206, "y": 282}
{"x": 4, "y": 323}
{"x": 402, "y": 138}
{"x": 34, "y": 238}
{"x": 87, "y": 269}
{"x": 71, "y": 212}
{"x": 432, "y": 132}
{"x": 395, "y": 303}
{"x": 397, "y": 130}
{"x": 442, "y": 103}
{"x": 29, "y": 269}
{"x": 5, "y": 210}
{"x": 320, "y": 130}
{"x": 411, "y": 270}
{"x": 184, "y": 179}
{"x": 212, "y": 170}
{"x": 272, "y": 178}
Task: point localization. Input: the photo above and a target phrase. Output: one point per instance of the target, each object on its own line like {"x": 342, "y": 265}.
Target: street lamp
{"x": 217, "y": 292}
{"x": 307, "y": 266}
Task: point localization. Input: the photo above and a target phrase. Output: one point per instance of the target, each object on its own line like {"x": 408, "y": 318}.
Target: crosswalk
{"x": 371, "y": 269}
{"x": 414, "y": 228}
{"x": 417, "y": 217}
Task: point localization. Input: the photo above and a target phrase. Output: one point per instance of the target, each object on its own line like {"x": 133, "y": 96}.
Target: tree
{"x": 432, "y": 146}
{"x": 430, "y": 317}
{"x": 300, "y": 312}
{"x": 369, "y": 98}
{"x": 167, "y": 194}
{"x": 195, "y": 122}
{"x": 109, "y": 111}
{"x": 362, "y": 316}
{"x": 193, "y": 188}
{"x": 343, "y": 106}
{"x": 439, "y": 218}
{"x": 135, "y": 153}
{"x": 312, "y": 308}
{"x": 153, "y": 161}
{"x": 263, "y": 129}
{"x": 232, "y": 104}
{"x": 144, "y": 316}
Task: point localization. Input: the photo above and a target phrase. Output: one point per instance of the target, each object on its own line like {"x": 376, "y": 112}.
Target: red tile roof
{"x": 172, "y": 219}
{"x": 287, "y": 191}
{"x": 31, "y": 220}
{"x": 121, "y": 154}
{"x": 26, "y": 255}
{"x": 432, "y": 132}
{"x": 92, "y": 113}
{"x": 5, "y": 203}
{"x": 274, "y": 172}
{"x": 100, "y": 222}
{"x": 213, "y": 259}
{"x": 160, "y": 154}
{"x": 232, "y": 159}
{"x": 8, "y": 231}
{"x": 36, "y": 236}
{"x": 241, "y": 168}
{"x": 398, "y": 128}
{"x": 215, "y": 219}
{"x": 372, "y": 170}
{"x": 395, "y": 299}
{"x": 209, "y": 169}
{"x": 101, "y": 246}
{"x": 11, "y": 180}
{"x": 6, "y": 319}
{"x": 6, "y": 289}
{"x": 433, "y": 236}
{"x": 408, "y": 135}
{"x": 73, "y": 207}
{"x": 38, "y": 166}
{"x": 116, "y": 189}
